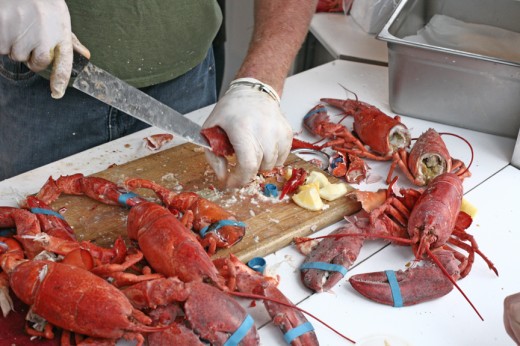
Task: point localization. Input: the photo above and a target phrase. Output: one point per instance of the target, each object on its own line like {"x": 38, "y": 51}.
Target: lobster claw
{"x": 329, "y": 261}
{"x": 403, "y": 288}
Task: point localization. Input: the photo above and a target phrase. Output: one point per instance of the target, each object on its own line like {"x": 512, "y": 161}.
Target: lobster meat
{"x": 373, "y": 128}
{"x": 432, "y": 224}
{"x": 427, "y": 159}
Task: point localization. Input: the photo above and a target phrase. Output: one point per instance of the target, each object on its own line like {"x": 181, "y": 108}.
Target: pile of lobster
{"x": 164, "y": 288}
{"x": 427, "y": 219}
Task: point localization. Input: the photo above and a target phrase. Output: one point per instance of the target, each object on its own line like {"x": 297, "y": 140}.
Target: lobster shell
{"x": 75, "y": 299}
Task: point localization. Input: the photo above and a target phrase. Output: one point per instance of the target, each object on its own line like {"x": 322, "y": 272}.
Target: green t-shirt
{"x": 145, "y": 42}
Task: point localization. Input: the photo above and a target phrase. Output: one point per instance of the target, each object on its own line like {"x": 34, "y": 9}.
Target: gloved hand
{"x": 38, "y": 32}
{"x": 512, "y": 316}
{"x": 250, "y": 115}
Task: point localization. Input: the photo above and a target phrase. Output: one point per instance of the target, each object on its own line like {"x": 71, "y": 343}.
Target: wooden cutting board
{"x": 271, "y": 223}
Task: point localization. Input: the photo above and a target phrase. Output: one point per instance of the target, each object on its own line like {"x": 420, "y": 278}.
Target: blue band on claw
{"x": 241, "y": 332}
{"x": 221, "y": 223}
{"x": 124, "y": 197}
{"x": 47, "y": 212}
{"x": 325, "y": 266}
{"x": 298, "y": 331}
{"x": 317, "y": 110}
{"x": 394, "y": 286}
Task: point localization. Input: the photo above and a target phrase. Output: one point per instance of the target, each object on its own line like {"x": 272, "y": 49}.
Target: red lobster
{"x": 431, "y": 223}
{"x": 373, "y": 128}
{"x": 173, "y": 251}
{"x": 217, "y": 227}
{"x": 216, "y": 322}
{"x": 427, "y": 159}
{"x": 69, "y": 297}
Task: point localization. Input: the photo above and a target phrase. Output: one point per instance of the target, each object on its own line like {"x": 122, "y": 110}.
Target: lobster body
{"x": 432, "y": 220}
{"x": 217, "y": 227}
{"x": 75, "y": 299}
{"x": 169, "y": 247}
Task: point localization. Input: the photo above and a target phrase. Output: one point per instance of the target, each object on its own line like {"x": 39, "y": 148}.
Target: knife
{"x": 110, "y": 90}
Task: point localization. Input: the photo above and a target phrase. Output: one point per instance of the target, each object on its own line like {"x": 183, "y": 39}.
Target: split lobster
{"x": 427, "y": 159}
{"x": 431, "y": 223}
{"x": 373, "y": 128}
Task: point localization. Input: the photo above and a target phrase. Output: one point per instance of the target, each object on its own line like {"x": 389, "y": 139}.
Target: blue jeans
{"x": 36, "y": 129}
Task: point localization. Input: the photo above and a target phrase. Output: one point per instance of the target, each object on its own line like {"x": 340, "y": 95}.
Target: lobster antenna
{"x": 349, "y": 91}
{"x": 469, "y": 145}
{"x": 402, "y": 241}
{"x": 445, "y": 272}
{"x": 258, "y": 296}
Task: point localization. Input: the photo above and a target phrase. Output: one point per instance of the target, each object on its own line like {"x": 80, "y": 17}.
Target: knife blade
{"x": 111, "y": 90}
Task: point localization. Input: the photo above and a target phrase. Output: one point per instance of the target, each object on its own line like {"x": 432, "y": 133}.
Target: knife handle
{"x": 79, "y": 62}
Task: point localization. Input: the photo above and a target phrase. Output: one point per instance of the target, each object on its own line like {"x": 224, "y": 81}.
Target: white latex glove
{"x": 250, "y": 115}
{"x": 38, "y": 32}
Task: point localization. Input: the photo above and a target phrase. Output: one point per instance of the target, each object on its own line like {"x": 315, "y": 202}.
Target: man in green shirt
{"x": 160, "y": 46}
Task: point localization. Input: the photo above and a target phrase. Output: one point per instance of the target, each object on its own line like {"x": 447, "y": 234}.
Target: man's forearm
{"x": 280, "y": 29}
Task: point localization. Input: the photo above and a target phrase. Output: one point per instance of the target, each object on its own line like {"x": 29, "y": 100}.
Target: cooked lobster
{"x": 382, "y": 134}
{"x": 428, "y": 158}
{"x": 70, "y": 297}
{"x": 433, "y": 225}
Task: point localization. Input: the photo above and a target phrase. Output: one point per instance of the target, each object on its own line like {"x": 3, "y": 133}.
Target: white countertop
{"x": 448, "y": 320}
{"x": 344, "y": 39}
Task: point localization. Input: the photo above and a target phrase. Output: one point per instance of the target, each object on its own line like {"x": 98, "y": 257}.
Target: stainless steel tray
{"x": 450, "y": 86}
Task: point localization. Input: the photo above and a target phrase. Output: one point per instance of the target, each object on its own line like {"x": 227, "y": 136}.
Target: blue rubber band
{"x": 298, "y": 331}
{"x": 394, "y": 286}
{"x": 221, "y": 223}
{"x": 124, "y": 197}
{"x": 325, "y": 266}
{"x": 270, "y": 190}
{"x": 257, "y": 264}
{"x": 46, "y": 212}
{"x": 317, "y": 110}
{"x": 241, "y": 332}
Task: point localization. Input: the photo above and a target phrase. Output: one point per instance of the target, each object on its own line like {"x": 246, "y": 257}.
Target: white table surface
{"x": 344, "y": 39}
{"x": 448, "y": 320}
